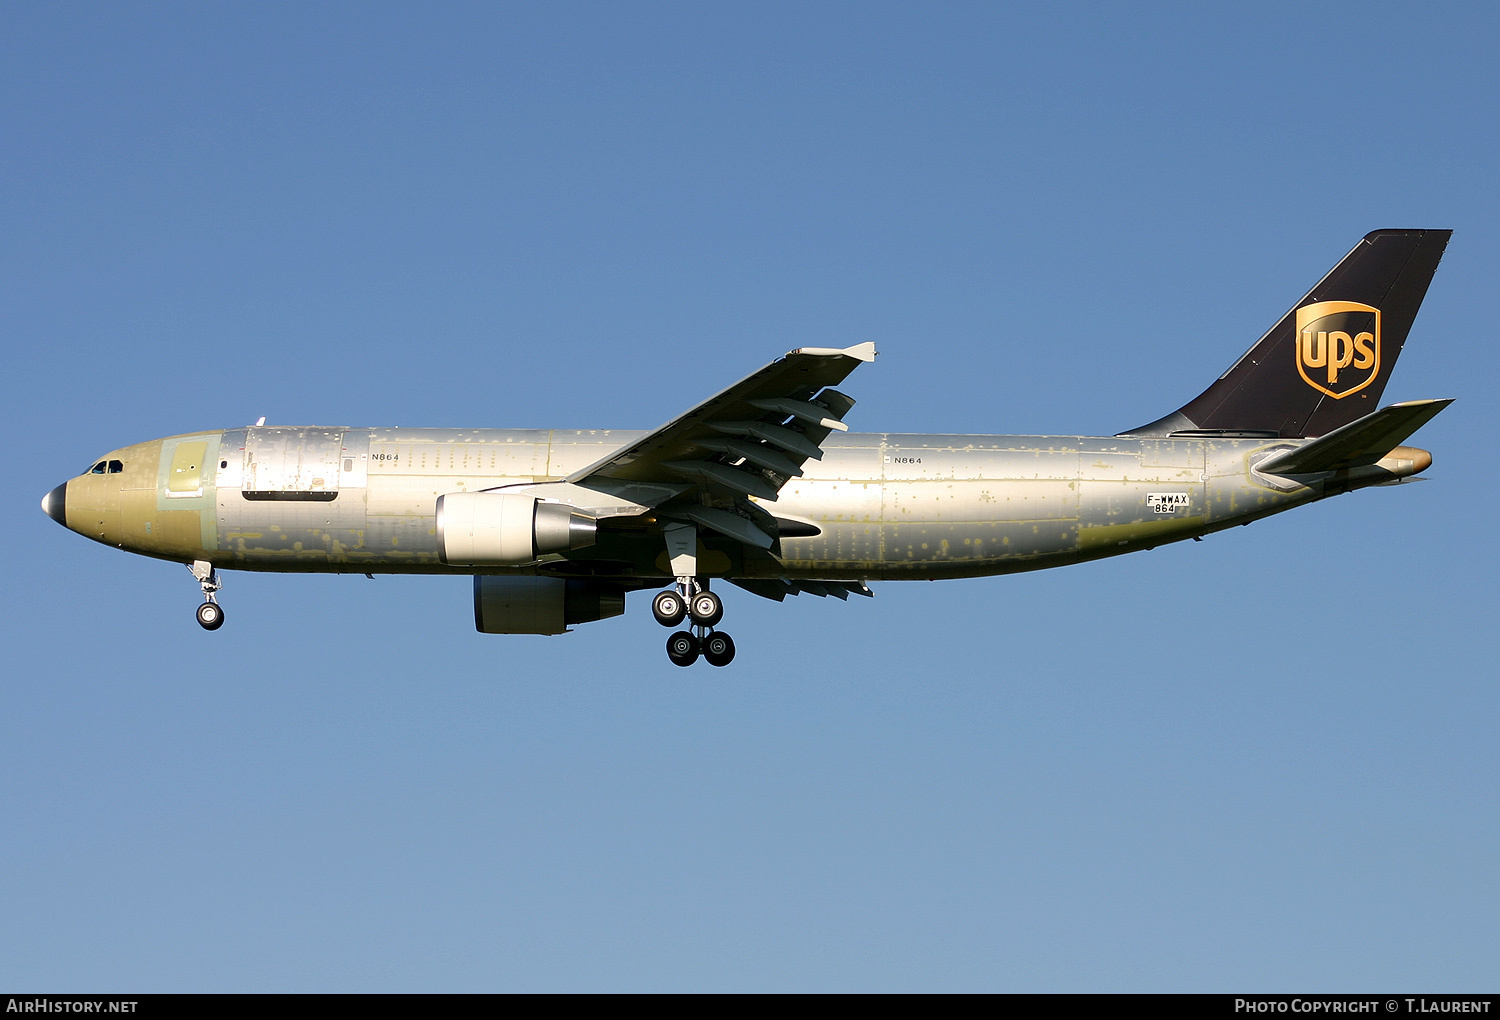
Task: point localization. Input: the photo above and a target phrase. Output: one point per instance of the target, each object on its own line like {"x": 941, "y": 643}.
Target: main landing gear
{"x": 690, "y": 600}
{"x": 704, "y": 609}
{"x": 210, "y": 613}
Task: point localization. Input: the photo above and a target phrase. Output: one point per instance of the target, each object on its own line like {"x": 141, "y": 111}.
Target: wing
{"x": 746, "y": 441}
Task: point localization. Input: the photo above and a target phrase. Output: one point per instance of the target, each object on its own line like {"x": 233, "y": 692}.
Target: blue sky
{"x": 1262, "y": 762}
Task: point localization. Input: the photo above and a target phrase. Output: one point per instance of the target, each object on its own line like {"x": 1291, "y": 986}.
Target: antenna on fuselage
{"x": 260, "y": 421}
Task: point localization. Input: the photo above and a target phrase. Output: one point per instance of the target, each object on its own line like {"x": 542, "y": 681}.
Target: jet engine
{"x": 497, "y": 528}
{"x": 542, "y": 605}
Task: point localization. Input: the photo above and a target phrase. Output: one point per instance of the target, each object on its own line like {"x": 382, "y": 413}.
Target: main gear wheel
{"x": 683, "y": 648}
{"x": 718, "y": 649}
{"x": 669, "y": 608}
{"x": 706, "y": 609}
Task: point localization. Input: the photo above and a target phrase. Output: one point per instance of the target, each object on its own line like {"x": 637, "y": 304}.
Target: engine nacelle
{"x": 497, "y": 528}
{"x": 541, "y": 605}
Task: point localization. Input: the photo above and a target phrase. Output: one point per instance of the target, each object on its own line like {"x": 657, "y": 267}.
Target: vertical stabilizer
{"x": 1325, "y": 364}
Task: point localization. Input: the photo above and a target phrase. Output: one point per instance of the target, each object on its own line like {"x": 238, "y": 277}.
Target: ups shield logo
{"x": 1338, "y": 346}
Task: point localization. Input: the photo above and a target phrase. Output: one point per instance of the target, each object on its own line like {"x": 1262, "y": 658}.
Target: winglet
{"x": 860, "y": 352}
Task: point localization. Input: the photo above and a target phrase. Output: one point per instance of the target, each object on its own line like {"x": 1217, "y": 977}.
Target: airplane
{"x": 764, "y": 487}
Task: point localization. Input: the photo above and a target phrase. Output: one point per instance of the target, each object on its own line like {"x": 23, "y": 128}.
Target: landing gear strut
{"x": 210, "y": 613}
{"x": 690, "y": 599}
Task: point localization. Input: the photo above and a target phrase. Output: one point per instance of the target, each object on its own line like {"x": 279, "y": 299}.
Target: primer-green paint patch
{"x": 1138, "y": 532}
{"x": 186, "y": 473}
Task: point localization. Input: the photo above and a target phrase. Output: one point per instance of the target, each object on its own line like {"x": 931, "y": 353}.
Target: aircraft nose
{"x": 54, "y": 504}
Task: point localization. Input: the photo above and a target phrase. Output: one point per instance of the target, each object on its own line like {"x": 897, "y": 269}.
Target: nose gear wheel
{"x": 210, "y": 614}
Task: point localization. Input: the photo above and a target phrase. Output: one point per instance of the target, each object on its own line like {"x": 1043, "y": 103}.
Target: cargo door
{"x": 292, "y": 463}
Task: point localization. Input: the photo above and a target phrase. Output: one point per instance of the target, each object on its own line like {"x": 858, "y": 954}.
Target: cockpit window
{"x": 115, "y": 467}
{"x": 97, "y": 469}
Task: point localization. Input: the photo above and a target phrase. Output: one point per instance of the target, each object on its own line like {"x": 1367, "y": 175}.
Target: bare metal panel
{"x": 960, "y": 503}
{"x": 841, "y": 495}
{"x": 283, "y": 461}
{"x": 354, "y": 470}
{"x": 571, "y": 450}
{"x": 1136, "y": 493}
{"x": 508, "y": 454}
{"x": 1233, "y": 492}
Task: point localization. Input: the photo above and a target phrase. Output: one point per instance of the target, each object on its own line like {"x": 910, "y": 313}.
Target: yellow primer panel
{"x": 186, "y": 474}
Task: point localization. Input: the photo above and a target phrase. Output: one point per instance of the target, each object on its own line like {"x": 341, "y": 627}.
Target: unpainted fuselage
{"x": 876, "y": 507}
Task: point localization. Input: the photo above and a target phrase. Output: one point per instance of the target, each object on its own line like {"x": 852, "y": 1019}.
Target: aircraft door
{"x": 286, "y": 463}
{"x": 185, "y": 473}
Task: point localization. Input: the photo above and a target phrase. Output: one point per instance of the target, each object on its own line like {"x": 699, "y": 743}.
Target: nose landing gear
{"x": 210, "y": 613}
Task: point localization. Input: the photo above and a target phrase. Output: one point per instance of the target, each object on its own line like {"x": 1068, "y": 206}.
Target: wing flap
{"x": 813, "y": 414}
{"x": 726, "y": 522}
{"x": 741, "y": 483}
{"x": 756, "y": 453}
{"x": 778, "y": 436}
{"x": 779, "y": 588}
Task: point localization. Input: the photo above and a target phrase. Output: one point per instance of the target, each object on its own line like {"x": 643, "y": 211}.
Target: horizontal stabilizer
{"x": 1359, "y": 443}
